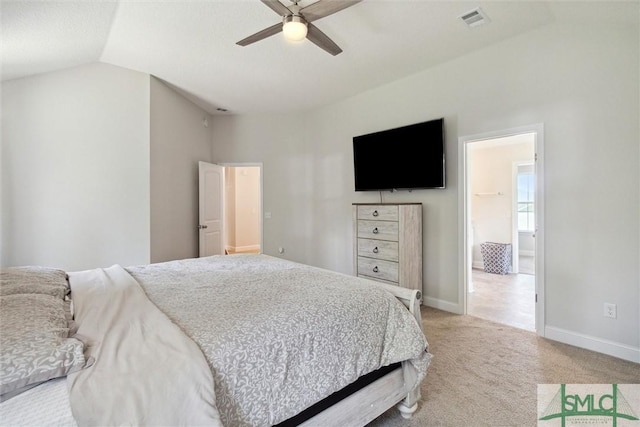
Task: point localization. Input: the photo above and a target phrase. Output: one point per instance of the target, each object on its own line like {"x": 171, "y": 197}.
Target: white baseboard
{"x": 526, "y": 253}
{"x": 621, "y": 351}
{"x": 478, "y": 264}
{"x": 442, "y": 305}
{"x": 247, "y": 248}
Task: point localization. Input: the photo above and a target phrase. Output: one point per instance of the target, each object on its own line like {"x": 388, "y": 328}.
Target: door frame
{"x": 515, "y": 232}
{"x": 464, "y": 219}
{"x": 261, "y": 208}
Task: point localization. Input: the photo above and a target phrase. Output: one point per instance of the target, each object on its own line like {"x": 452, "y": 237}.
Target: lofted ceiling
{"x": 191, "y": 45}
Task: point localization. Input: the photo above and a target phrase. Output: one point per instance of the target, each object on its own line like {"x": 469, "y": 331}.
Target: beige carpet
{"x": 486, "y": 374}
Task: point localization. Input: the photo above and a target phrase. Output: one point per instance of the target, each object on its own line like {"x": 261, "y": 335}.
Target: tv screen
{"x": 406, "y": 157}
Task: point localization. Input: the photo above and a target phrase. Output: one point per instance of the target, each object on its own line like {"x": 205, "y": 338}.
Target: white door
{"x": 211, "y": 209}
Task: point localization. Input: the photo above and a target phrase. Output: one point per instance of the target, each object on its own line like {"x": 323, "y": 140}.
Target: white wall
{"x": 580, "y": 80}
{"x": 180, "y": 137}
{"x": 75, "y": 168}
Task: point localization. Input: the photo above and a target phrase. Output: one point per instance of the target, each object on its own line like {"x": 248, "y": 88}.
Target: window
{"x": 526, "y": 193}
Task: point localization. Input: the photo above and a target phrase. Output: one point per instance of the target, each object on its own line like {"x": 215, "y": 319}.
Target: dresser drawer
{"x": 378, "y": 249}
{"x": 379, "y": 230}
{"x": 378, "y": 269}
{"x": 378, "y": 212}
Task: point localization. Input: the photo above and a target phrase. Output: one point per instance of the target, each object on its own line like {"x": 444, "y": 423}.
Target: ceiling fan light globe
{"x": 295, "y": 29}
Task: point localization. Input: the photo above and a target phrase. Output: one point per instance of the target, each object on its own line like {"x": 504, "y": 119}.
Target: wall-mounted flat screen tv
{"x": 407, "y": 157}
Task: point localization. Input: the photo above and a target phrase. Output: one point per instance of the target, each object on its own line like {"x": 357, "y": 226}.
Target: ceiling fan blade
{"x": 321, "y": 40}
{"x": 267, "y": 32}
{"x": 277, "y": 7}
{"x": 323, "y": 8}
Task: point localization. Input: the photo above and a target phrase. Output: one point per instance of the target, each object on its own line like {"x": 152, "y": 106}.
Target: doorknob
{"x": 200, "y": 227}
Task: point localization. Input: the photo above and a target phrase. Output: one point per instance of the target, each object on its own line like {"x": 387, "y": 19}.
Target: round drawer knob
{"x": 375, "y": 230}
{"x": 375, "y": 213}
{"x": 375, "y": 250}
{"x": 375, "y": 269}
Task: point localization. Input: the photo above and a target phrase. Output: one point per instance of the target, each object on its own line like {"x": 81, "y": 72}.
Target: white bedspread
{"x": 146, "y": 370}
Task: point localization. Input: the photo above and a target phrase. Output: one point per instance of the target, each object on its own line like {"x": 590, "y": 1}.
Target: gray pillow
{"x": 34, "y": 280}
{"x": 34, "y": 342}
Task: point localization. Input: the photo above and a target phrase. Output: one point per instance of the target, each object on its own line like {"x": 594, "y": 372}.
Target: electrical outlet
{"x": 610, "y": 310}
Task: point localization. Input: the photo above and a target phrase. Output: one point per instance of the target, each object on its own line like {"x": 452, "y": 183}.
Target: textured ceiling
{"x": 191, "y": 44}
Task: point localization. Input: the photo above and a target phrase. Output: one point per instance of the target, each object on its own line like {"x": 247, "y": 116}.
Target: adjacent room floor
{"x": 507, "y": 299}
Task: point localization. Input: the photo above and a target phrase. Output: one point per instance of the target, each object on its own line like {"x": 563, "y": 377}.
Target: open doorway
{"x": 501, "y": 203}
{"x": 243, "y": 208}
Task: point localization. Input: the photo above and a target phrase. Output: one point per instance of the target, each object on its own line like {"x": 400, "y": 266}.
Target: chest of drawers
{"x": 388, "y": 243}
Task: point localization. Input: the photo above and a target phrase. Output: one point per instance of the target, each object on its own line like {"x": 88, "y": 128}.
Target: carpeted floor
{"x": 486, "y": 374}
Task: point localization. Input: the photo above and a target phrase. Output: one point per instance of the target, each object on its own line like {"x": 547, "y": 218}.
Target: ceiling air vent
{"x": 475, "y": 17}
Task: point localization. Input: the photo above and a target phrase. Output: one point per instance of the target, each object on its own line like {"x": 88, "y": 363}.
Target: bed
{"x": 231, "y": 340}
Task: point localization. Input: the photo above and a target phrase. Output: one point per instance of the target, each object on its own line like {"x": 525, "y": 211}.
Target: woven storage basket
{"x": 496, "y": 257}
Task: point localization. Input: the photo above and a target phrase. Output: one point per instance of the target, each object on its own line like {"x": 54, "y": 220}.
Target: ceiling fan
{"x": 297, "y": 22}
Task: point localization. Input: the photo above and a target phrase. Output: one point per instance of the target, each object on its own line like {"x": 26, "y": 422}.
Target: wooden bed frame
{"x": 398, "y": 387}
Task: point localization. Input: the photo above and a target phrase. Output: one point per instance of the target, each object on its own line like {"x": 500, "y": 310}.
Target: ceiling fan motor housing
{"x": 293, "y": 18}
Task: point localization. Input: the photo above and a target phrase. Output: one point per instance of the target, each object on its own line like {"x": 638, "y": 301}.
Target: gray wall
{"x": 179, "y": 139}
{"x": 75, "y": 168}
{"x": 99, "y": 166}
{"x": 579, "y": 80}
